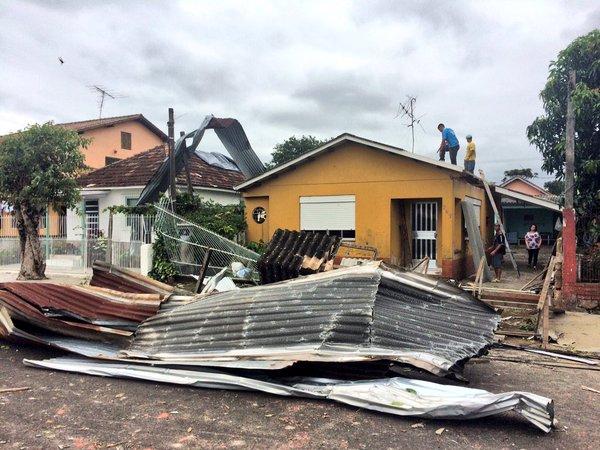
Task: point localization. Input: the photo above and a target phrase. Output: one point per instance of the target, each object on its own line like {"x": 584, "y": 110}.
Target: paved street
{"x": 80, "y": 411}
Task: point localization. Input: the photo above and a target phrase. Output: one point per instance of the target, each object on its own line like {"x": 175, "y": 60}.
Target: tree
{"x": 524, "y": 173}
{"x": 547, "y": 132}
{"x": 39, "y": 166}
{"x": 293, "y": 147}
{"x": 555, "y": 187}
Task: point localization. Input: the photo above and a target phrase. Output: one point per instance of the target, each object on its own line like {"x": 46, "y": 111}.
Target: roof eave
{"x": 528, "y": 198}
{"x": 337, "y": 141}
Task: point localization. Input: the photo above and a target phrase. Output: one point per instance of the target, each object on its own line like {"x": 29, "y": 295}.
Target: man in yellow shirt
{"x": 470, "y": 155}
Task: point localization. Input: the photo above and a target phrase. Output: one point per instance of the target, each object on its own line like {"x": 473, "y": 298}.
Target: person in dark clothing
{"x": 497, "y": 252}
{"x": 449, "y": 143}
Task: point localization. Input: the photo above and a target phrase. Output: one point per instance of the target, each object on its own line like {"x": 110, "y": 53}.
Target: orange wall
{"x": 524, "y": 188}
{"x": 376, "y": 178}
{"x": 106, "y": 141}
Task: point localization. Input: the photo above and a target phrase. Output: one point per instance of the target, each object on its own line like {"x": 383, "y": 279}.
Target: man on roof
{"x": 449, "y": 144}
{"x": 470, "y": 155}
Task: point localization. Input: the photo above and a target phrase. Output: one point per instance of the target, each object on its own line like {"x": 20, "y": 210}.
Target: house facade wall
{"x": 519, "y": 218}
{"x": 106, "y": 142}
{"x": 119, "y": 196}
{"x": 376, "y": 178}
{"x": 521, "y": 186}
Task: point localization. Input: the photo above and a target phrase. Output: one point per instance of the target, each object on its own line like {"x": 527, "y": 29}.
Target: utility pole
{"x": 186, "y": 162}
{"x": 172, "y": 166}
{"x": 570, "y": 145}
{"x": 569, "y": 267}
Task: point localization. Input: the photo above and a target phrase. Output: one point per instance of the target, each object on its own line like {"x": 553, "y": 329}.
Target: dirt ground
{"x": 78, "y": 411}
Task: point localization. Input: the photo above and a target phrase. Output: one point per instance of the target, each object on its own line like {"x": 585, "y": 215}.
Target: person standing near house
{"x": 449, "y": 143}
{"x": 470, "y": 155}
{"x": 533, "y": 242}
{"x": 497, "y": 252}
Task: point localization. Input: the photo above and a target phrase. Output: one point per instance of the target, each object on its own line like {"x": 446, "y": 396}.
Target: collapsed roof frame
{"x": 233, "y": 138}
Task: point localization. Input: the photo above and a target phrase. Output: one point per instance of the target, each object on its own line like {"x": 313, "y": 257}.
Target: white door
{"x": 424, "y": 231}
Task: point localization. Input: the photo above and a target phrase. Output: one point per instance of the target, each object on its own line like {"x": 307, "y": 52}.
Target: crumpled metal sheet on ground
{"x": 101, "y": 307}
{"x": 399, "y": 396}
{"x": 293, "y": 253}
{"x": 108, "y": 276}
{"x": 76, "y": 311}
{"x": 84, "y": 347}
{"x": 363, "y": 313}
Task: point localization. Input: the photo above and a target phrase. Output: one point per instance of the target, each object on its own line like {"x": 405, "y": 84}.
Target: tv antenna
{"x": 102, "y": 94}
{"x": 407, "y": 109}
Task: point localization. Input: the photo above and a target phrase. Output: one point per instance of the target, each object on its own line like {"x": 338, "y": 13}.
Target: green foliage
{"x": 258, "y": 247}
{"x": 39, "y": 166}
{"x": 555, "y": 187}
{"x": 547, "y": 132}
{"x": 293, "y": 147}
{"x": 146, "y": 210}
{"x": 525, "y": 173}
{"x": 162, "y": 267}
{"x": 225, "y": 220}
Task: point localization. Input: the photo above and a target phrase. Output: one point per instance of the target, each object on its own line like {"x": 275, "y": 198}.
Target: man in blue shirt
{"x": 449, "y": 143}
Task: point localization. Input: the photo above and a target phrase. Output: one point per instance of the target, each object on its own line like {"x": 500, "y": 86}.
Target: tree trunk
{"x": 33, "y": 262}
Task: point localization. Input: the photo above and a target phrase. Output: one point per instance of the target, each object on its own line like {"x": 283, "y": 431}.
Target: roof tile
{"x": 137, "y": 170}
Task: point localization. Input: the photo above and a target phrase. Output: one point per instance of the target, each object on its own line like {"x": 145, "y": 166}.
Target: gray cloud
{"x": 286, "y": 68}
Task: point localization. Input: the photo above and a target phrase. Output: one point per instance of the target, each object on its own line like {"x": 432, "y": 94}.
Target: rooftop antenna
{"x": 407, "y": 109}
{"x": 102, "y": 94}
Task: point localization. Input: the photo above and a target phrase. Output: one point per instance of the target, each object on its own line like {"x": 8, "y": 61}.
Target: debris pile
{"x": 361, "y": 313}
{"x": 342, "y": 335}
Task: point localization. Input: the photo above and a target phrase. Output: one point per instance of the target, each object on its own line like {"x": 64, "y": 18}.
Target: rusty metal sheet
{"x": 79, "y": 303}
{"x": 111, "y": 277}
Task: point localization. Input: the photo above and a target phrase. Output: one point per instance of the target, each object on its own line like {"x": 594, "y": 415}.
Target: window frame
{"x": 126, "y": 136}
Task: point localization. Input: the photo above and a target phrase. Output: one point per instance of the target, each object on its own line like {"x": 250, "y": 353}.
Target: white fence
{"x": 71, "y": 249}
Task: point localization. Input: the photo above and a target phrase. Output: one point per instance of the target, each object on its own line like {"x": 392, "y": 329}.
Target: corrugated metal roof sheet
{"x": 354, "y": 314}
{"x": 293, "y": 253}
{"x": 84, "y": 312}
{"x": 108, "y": 276}
{"x": 79, "y": 303}
{"x": 398, "y": 396}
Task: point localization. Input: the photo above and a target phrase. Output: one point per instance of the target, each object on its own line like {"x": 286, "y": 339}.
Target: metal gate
{"x": 424, "y": 231}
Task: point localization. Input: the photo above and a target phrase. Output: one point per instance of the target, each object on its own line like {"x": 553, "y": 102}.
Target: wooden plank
{"x": 495, "y": 208}
{"x": 405, "y": 239}
{"x": 546, "y": 285}
{"x": 203, "y": 270}
{"x": 515, "y": 333}
{"x": 508, "y": 304}
{"x": 480, "y": 269}
{"x": 545, "y": 323}
{"x": 534, "y": 279}
{"x": 421, "y": 266}
{"x": 17, "y": 389}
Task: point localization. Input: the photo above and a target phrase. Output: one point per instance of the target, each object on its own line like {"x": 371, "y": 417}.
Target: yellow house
{"x": 405, "y": 205}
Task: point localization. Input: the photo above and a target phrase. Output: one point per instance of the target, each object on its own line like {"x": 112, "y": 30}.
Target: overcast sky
{"x": 283, "y": 68}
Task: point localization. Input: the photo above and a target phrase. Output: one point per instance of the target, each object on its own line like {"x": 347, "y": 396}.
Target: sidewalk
{"x": 57, "y": 277}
